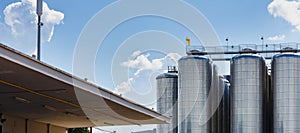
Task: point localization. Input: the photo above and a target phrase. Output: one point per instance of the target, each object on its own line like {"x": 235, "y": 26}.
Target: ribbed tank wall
{"x": 286, "y": 93}
{"x": 247, "y": 94}
{"x": 269, "y": 110}
{"x": 219, "y": 104}
{"x": 226, "y": 98}
{"x": 226, "y": 105}
{"x": 195, "y": 75}
{"x": 215, "y": 98}
{"x": 223, "y": 109}
{"x": 167, "y": 94}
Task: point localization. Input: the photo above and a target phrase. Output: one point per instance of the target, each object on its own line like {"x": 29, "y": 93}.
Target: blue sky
{"x": 140, "y": 48}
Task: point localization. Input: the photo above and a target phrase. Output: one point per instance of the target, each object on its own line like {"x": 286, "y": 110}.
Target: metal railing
{"x": 227, "y": 52}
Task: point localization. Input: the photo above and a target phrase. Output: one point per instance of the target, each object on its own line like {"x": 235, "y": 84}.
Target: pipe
{"x": 39, "y": 38}
{"x": 39, "y": 12}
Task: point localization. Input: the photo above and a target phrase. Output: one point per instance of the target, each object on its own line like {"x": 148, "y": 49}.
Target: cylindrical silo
{"x": 226, "y": 107}
{"x": 195, "y": 75}
{"x": 215, "y": 98}
{"x": 285, "y": 93}
{"x": 219, "y": 103}
{"x": 167, "y": 93}
{"x": 269, "y": 110}
{"x": 247, "y": 94}
{"x": 223, "y": 109}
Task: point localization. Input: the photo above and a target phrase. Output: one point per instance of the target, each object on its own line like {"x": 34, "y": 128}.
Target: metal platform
{"x": 225, "y": 53}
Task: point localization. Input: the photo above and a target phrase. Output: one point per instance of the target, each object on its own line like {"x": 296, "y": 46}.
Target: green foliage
{"x": 78, "y": 130}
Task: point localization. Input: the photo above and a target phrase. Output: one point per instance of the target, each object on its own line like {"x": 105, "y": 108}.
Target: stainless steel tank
{"x": 215, "y": 98}
{"x": 247, "y": 94}
{"x": 269, "y": 110}
{"x": 194, "y": 79}
{"x": 167, "y": 93}
{"x": 223, "y": 108}
{"x": 226, "y": 107}
{"x": 285, "y": 93}
{"x": 226, "y": 98}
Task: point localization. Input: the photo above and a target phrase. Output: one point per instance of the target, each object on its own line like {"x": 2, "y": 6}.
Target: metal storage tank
{"x": 195, "y": 75}
{"x": 223, "y": 109}
{"x": 269, "y": 110}
{"x": 167, "y": 93}
{"x": 215, "y": 98}
{"x": 247, "y": 94}
{"x": 285, "y": 93}
{"x": 226, "y": 106}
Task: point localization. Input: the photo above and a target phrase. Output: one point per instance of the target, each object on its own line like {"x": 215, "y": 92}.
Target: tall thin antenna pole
{"x": 227, "y": 43}
{"x": 262, "y": 44}
{"x": 39, "y": 39}
{"x": 39, "y": 12}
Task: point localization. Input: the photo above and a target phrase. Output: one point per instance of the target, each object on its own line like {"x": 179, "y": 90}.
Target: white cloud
{"x": 21, "y": 21}
{"x": 135, "y": 53}
{"x": 277, "y": 38}
{"x": 142, "y": 62}
{"x": 174, "y": 56}
{"x": 123, "y": 87}
{"x": 286, "y": 9}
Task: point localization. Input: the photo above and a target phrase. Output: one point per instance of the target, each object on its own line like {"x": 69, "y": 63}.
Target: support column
{"x": 48, "y": 128}
{"x": 1, "y": 123}
{"x": 26, "y": 125}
